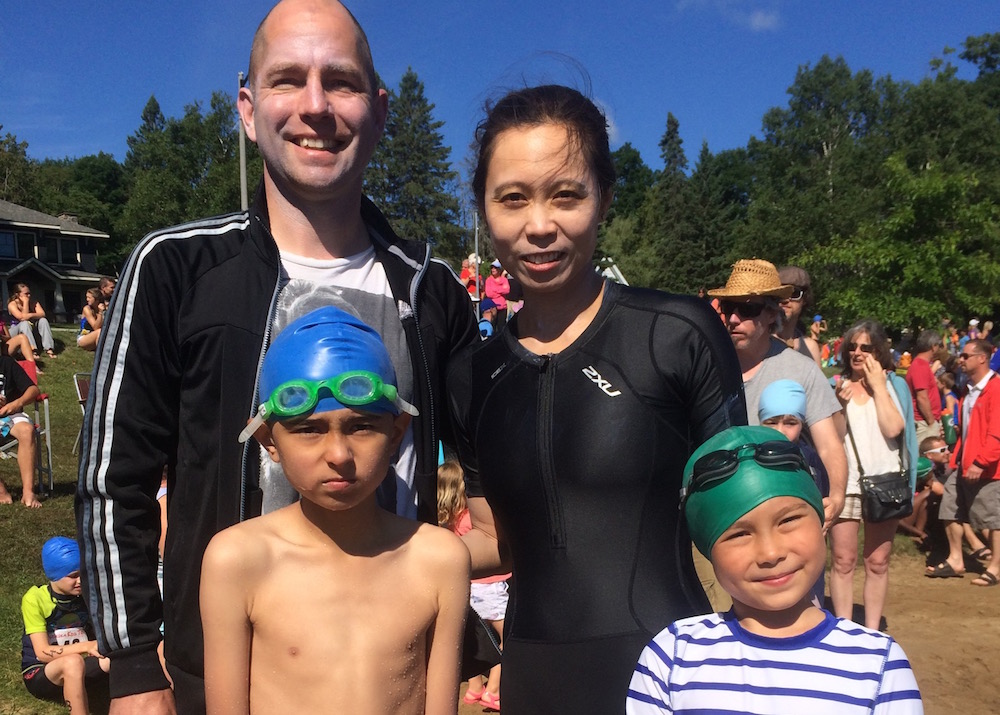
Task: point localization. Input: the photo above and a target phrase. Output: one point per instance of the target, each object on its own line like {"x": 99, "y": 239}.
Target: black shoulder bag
{"x": 883, "y": 496}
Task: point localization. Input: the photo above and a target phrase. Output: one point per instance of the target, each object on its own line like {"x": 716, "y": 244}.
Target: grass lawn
{"x": 23, "y": 531}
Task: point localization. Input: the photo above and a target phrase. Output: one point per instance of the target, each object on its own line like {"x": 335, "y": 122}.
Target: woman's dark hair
{"x": 547, "y": 104}
{"x": 878, "y": 338}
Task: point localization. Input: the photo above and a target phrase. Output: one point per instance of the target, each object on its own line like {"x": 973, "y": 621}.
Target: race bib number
{"x": 69, "y": 636}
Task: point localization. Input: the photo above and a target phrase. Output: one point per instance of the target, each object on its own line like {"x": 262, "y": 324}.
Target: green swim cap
{"x": 924, "y": 467}
{"x": 713, "y": 509}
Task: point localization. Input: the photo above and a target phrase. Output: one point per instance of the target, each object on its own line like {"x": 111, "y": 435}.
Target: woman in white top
{"x": 876, "y": 425}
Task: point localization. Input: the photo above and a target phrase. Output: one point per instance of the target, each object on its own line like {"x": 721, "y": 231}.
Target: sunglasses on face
{"x": 937, "y": 450}
{"x": 966, "y": 356}
{"x": 863, "y": 347}
{"x": 797, "y": 295}
{"x": 746, "y": 311}
{"x": 718, "y": 466}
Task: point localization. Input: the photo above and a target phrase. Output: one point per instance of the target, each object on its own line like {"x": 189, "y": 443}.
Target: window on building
{"x": 68, "y": 255}
{"x": 25, "y": 245}
{"x": 48, "y": 250}
{"x": 8, "y": 245}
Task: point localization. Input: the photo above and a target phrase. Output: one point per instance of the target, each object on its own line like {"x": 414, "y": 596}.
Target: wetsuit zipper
{"x": 546, "y": 420}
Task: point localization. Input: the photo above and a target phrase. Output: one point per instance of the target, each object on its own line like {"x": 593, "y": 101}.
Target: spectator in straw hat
{"x": 751, "y": 306}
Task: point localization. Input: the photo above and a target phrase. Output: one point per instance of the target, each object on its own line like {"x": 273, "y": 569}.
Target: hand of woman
{"x": 874, "y": 374}
{"x": 845, "y": 390}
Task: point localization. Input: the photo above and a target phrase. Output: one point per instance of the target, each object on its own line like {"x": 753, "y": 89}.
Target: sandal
{"x": 982, "y": 554}
{"x": 51, "y": 354}
{"x": 943, "y": 570}
{"x": 985, "y": 579}
{"x": 471, "y": 698}
{"x": 492, "y": 702}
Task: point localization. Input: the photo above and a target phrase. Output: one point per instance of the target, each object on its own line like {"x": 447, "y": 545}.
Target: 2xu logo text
{"x": 596, "y": 378}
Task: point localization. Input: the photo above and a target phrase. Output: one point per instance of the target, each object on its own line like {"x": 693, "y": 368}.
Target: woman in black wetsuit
{"x": 576, "y": 420}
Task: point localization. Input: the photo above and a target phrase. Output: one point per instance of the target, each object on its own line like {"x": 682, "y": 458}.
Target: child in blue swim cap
{"x": 359, "y": 594}
{"x": 753, "y": 509}
{"x": 326, "y": 360}
{"x": 59, "y": 656}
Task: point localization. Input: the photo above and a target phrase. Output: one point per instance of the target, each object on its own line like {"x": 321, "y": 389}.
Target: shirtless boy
{"x": 332, "y": 604}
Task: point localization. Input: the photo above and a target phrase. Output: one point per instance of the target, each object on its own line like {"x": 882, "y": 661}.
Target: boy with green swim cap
{"x": 753, "y": 509}
{"x": 332, "y": 604}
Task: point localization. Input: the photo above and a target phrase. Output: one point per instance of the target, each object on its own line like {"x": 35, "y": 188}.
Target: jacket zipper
{"x": 546, "y": 397}
{"x": 414, "y": 288}
{"x": 265, "y": 342}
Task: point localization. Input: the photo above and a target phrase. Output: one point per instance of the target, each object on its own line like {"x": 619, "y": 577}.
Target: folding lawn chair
{"x": 43, "y": 432}
{"x": 81, "y": 380}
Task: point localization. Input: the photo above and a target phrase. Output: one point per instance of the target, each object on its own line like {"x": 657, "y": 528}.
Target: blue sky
{"x": 74, "y": 76}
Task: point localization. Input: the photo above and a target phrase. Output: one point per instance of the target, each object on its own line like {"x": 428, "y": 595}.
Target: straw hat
{"x": 753, "y": 277}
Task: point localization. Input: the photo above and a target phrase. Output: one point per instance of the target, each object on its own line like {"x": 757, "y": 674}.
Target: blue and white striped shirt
{"x": 710, "y": 664}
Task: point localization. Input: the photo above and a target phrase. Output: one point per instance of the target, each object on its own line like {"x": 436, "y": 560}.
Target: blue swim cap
{"x": 323, "y": 344}
{"x": 782, "y": 397}
{"x": 60, "y": 557}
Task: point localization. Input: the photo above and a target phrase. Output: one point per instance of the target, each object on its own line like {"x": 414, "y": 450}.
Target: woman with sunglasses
{"x": 876, "y": 436}
{"x": 792, "y": 307}
{"x": 575, "y": 420}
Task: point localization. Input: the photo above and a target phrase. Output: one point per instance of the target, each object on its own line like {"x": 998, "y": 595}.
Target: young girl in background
{"x": 489, "y": 595}
{"x": 91, "y": 321}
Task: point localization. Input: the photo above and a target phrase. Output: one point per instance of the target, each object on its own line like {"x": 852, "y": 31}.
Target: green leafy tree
{"x": 935, "y": 253}
{"x": 178, "y": 170}
{"x": 16, "y": 170}
{"x": 983, "y": 51}
{"x": 817, "y": 168}
{"x": 410, "y": 177}
{"x": 92, "y": 187}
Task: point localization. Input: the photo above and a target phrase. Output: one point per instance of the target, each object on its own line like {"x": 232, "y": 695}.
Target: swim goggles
{"x": 355, "y": 388}
{"x": 718, "y": 466}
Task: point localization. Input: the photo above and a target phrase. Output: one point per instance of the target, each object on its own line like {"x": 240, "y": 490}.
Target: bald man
{"x": 196, "y": 306}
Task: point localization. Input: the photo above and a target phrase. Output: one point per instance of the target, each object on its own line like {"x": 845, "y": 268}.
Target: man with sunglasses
{"x": 751, "y": 306}
{"x": 973, "y": 493}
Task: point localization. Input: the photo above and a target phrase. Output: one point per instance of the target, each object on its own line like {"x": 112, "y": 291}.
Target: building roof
{"x": 12, "y": 267}
{"x": 23, "y": 217}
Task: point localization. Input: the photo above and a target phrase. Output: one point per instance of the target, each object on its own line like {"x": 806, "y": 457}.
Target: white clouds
{"x": 754, "y": 15}
{"x": 763, "y": 20}
{"x": 614, "y": 133}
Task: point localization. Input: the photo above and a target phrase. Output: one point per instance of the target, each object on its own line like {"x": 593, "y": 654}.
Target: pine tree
{"x": 410, "y": 177}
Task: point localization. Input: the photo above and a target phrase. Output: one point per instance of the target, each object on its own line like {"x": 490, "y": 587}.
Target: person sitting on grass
{"x": 91, "y": 321}
{"x": 332, "y": 604}
{"x": 59, "y": 658}
{"x": 753, "y": 509}
{"x": 927, "y": 492}
{"x": 17, "y": 391}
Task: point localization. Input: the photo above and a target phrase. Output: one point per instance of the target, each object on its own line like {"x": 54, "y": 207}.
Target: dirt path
{"x": 950, "y": 630}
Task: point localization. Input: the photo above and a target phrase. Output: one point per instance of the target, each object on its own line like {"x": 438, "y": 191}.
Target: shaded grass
{"x": 23, "y": 531}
